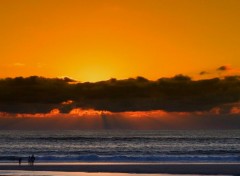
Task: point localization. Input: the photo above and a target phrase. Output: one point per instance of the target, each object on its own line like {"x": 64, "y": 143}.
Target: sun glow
{"x": 95, "y": 73}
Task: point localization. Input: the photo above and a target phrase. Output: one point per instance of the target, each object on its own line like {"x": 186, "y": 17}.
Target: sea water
{"x": 121, "y": 146}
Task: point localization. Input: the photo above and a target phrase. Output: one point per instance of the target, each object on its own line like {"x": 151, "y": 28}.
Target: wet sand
{"x": 168, "y": 168}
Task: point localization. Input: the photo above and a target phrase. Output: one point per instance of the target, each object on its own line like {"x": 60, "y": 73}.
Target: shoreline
{"x": 145, "y": 168}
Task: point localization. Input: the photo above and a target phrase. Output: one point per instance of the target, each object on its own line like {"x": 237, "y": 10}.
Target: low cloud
{"x": 68, "y": 102}
{"x": 224, "y": 68}
{"x": 235, "y": 110}
{"x": 227, "y": 70}
{"x": 203, "y": 73}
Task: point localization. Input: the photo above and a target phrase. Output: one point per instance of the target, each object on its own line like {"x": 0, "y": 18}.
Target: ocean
{"x": 121, "y": 146}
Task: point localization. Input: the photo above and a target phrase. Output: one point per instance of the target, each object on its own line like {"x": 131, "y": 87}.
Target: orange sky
{"x": 93, "y": 40}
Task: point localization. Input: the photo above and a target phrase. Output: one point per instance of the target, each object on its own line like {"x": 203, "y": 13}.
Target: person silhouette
{"x": 32, "y": 160}
{"x": 20, "y": 161}
{"x": 29, "y": 160}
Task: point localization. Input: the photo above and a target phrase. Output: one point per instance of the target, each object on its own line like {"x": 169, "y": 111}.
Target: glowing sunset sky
{"x": 93, "y": 40}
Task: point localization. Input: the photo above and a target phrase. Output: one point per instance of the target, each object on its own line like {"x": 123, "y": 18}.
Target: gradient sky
{"x": 92, "y": 40}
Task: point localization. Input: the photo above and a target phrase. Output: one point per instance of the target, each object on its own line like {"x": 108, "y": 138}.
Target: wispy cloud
{"x": 18, "y": 64}
{"x": 221, "y": 72}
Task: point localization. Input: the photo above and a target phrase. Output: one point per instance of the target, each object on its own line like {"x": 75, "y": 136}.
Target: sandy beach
{"x": 167, "y": 168}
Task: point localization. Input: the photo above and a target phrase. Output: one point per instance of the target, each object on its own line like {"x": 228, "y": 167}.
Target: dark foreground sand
{"x": 169, "y": 168}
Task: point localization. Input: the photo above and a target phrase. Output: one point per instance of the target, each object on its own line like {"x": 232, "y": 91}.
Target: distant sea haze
{"x": 150, "y": 120}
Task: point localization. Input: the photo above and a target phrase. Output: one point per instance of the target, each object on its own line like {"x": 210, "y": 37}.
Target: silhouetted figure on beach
{"x": 29, "y": 160}
{"x": 20, "y": 161}
{"x": 32, "y": 160}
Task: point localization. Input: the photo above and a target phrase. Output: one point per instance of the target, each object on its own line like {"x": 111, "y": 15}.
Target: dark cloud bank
{"x": 168, "y": 103}
{"x": 180, "y": 93}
